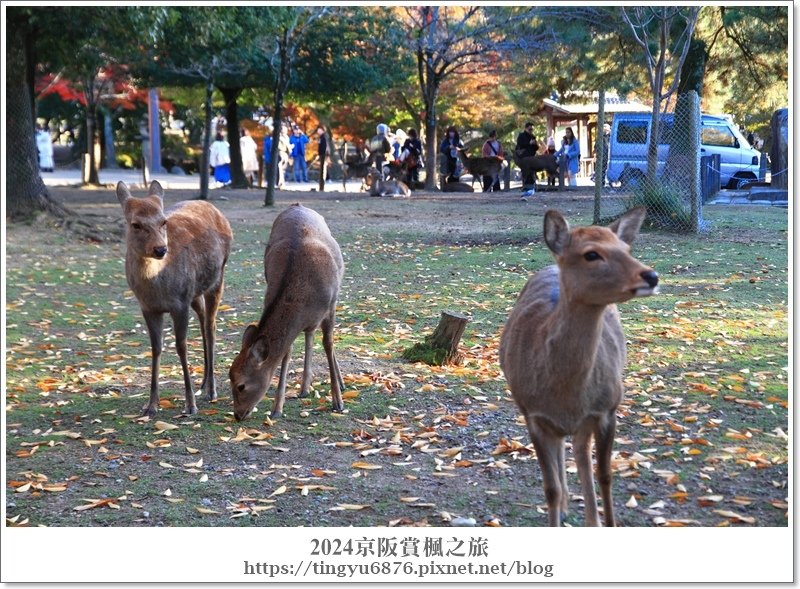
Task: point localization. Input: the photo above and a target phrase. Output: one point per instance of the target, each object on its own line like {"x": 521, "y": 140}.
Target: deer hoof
{"x": 302, "y": 395}
{"x": 211, "y": 396}
{"x": 338, "y": 408}
{"x": 190, "y": 410}
{"x": 149, "y": 410}
{"x": 275, "y": 415}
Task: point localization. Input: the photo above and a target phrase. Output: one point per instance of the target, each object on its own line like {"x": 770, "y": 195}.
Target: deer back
{"x": 303, "y": 266}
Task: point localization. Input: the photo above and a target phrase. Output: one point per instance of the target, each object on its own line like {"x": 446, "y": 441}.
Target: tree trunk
{"x": 26, "y": 193}
{"x": 238, "y": 179}
{"x": 204, "y": 165}
{"x": 281, "y": 84}
{"x": 441, "y": 347}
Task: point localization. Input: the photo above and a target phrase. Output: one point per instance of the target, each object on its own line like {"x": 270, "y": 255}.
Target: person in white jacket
{"x": 219, "y": 158}
{"x": 249, "y": 157}
{"x": 44, "y": 145}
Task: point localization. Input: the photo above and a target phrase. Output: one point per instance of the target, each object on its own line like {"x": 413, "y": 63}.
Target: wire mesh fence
{"x": 663, "y": 175}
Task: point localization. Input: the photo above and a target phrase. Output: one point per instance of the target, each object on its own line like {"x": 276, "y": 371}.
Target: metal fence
{"x": 671, "y": 181}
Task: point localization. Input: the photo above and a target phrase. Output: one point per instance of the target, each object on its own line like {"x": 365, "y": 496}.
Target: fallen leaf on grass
{"x": 192, "y": 450}
{"x": 205, "y": 511}
{"x": 197, "y": 464}
{"x": 735, "y": 516}
{"x": 279, "y": 491}
{"x": 23, "y": 488}
{"x": 162, "y": 426}
{"x": 204, "y": 478}
{"x": 97, "y": 503}
{"x": 365, "y": 465}
{"x": 349, "y": 507}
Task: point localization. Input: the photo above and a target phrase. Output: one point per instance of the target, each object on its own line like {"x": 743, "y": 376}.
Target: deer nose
{"x": 650, "y": 277}
{"x": 160, "y": 252}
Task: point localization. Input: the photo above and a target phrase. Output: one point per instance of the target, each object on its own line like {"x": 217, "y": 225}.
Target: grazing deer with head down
{"x": 563, "y": 352}
{"x": 303, "y": 267}
{"x": 175, "y": 261}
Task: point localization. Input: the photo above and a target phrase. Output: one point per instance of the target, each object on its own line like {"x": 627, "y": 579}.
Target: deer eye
{"x": 592, "y": 256}
{"x": 240, "y": 388}
{"x": 137, "y": 226}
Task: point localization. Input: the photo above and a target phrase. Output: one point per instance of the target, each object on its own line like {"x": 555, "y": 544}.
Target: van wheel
{"x": 631, "y": 177}
{"x": 739, "y": 181}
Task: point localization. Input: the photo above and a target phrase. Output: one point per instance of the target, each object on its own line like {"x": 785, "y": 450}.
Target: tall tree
{"x": 26, "y": 193}
{"x": 664, "y": 34}
{"x": 452, "y": 40}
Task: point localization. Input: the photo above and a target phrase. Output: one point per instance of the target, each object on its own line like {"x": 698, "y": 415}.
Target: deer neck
{"x": 574, "y": 331}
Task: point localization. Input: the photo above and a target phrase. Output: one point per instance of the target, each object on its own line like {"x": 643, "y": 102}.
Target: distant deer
{"x": 537, "y": 163}
{"x": 175, "y": 261}
{"x": 355, "y": 167}
{"x": 563, "y": 352}
{"x": 378, "y": 187}
{"x": 481, "y": 166}
{"x": 303, "y": 267}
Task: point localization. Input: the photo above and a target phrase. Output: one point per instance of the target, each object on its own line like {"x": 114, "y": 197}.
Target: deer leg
{"x": 307, "y": 364}
{"x": 333, "y": 366}
{"x": 212, "y": 300}
{"x": 548, "y": 446}
{"x": 280, "y": 394}
{"x": 562, "y": 469}
{"x": 199, "y": 306}
{"x": 604, "y": 443}
{"x": 155, "y": 326}
{"x": 582, "y": 448}
{"x": 180, "y": 324}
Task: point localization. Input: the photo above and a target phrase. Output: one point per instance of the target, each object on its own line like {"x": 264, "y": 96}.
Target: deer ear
{"x": 556, "y": 231}
{"x": 249, "y": 335}
{"x": 123, "y": 193}
{"x": 628, "y": 225}
{"x": 156, "y": 190}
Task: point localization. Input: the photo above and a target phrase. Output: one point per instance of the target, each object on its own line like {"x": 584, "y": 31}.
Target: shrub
{"x": 666, "y": 205}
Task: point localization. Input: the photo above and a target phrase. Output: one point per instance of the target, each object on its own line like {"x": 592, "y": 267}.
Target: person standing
{"x": 44, "y": 145}
{"x": 449, "y": 149}
{"x": 220, "y": 159}
{"x": 284, "y": 155}
{"x": 411, "y": 156}
{"x": 299, "y": 141}
{"x": 492, "y": 148}
{"x": 249, "y": 151}
{"x": 379, "y": 146}
{"x": 322, "y": 154}
{"x": 526, "y": 146}
{"x": 606, "y": 151}
{"x": 572, "y": 151}
{"x": 267, "y": 154}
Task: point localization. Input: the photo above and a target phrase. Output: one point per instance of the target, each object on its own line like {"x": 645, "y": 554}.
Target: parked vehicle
{"x": 630, "y": 134}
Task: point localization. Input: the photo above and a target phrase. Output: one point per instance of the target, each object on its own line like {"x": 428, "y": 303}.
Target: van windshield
{"x": 719, "y": 135}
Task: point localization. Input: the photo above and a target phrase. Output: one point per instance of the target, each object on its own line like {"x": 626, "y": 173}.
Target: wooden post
{"x": 441, "y": 347}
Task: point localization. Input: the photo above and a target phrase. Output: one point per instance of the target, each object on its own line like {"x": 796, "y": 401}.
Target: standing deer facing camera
{"x": 563, "y": 352}
{"x": 303, "y": 267}
{"x": 175, "y": 261}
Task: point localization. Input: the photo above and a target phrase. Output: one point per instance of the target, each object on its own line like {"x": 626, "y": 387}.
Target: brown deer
{"x": 481, "y": 166}
{"x": 378, "y": 187}
{"x": 175, "y": 261}
{"x": 563, "y": 352}
{"x": 532, "y": 164}
{"x": 303, "y": 267}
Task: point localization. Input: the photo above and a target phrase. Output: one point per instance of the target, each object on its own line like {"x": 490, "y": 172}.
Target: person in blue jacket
{"x": 299, "y": 141}
{"x": 267, "y": 154}
{"x": 571, "y": 149}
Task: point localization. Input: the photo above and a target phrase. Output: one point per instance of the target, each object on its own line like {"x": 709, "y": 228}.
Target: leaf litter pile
{"x": 702, "y": 437}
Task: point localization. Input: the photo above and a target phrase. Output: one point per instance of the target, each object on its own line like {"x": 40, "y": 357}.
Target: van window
{"x": 632, "y": 132}
{"x": 719, "y": 135}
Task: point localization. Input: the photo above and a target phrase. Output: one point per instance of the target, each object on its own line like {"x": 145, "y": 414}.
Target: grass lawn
{"x": 702, "y": 431}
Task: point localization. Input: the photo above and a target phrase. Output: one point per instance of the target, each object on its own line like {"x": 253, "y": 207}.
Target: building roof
{"x": 614, "y": 104}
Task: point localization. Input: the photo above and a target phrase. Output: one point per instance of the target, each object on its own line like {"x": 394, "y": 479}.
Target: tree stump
{"x": 779, "y": 152}
{"x": 441, "y": 347}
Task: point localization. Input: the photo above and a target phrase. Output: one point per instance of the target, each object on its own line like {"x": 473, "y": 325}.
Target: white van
{"x": 630, "y": 133}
